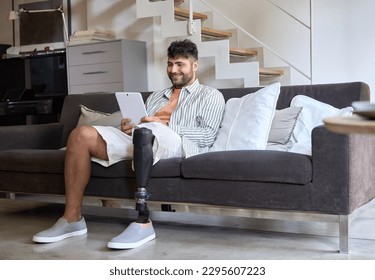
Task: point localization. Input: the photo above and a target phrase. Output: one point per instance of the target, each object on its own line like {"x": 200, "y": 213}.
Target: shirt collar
{"x": 188, "y": 89}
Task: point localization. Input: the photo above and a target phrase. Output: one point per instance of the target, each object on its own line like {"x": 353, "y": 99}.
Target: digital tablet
{"x": 131, "y": 105}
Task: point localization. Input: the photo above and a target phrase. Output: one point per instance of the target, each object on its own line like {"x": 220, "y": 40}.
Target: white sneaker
{"x": 61, "y": 230}
{"x": 135, "y": 235}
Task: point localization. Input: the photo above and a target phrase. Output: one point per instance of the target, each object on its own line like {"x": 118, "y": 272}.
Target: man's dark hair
{"x": 185, "y": 48}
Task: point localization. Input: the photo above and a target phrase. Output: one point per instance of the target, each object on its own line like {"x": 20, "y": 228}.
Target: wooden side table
{"x": 350, "y": 124}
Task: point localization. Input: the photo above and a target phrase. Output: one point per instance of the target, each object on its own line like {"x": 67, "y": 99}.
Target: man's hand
{"x": 126, "y": 126}
{"x": 148, "y": 119}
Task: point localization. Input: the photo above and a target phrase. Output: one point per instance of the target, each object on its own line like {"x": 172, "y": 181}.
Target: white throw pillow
{"x": 247, "y": 121}
{"x": 312, "y": 115}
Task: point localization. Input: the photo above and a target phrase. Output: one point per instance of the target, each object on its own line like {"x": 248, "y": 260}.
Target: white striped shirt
{"x": 197, "y": 117}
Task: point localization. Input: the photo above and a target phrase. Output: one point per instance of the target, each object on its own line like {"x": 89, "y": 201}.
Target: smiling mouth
{"x": 175, "y": 77}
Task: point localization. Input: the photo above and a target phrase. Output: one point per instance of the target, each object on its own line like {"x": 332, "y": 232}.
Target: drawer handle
{"x": 94, "y": 72}
{"x": 93, "y": 52}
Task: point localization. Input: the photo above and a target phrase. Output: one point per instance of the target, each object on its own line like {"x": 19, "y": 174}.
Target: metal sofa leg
{"x": 11, "y": 195}
{"x": 344, "y": 234}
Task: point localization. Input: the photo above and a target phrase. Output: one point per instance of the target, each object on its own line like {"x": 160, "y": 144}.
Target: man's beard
{"x": 180, "y": 80}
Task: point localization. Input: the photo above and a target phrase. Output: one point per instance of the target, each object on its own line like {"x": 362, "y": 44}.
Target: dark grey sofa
{"x": 330, "y": 185}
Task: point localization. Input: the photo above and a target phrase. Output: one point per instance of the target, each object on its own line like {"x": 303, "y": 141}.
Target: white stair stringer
{"x": 248, "y": 71}
{"x": 219, "y": 49}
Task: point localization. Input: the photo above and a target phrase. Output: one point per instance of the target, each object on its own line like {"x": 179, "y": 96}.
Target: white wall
{"x": 344, "y": 41}
{"x": 78, "y": 16}
{"x": 6, "y": 30}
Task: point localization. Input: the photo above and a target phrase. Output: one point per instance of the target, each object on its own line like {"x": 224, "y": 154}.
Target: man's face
{"x": 181, "y": 71}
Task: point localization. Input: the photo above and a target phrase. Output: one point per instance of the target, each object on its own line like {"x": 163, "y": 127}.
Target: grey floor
{"x": 191, "y": 239}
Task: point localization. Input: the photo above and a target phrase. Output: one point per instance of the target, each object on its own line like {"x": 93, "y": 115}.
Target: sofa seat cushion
{"x": 32, "y": 161}
{"x": 250, "y": 165}
{"x": 167, "y": 168}
{"x": 52, "y": 162}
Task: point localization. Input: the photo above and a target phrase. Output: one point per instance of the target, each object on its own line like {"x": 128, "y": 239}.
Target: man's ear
{"x": 195, "y": 65}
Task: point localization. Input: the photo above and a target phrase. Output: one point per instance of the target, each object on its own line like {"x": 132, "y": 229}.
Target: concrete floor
{"x": 190, "y": 240}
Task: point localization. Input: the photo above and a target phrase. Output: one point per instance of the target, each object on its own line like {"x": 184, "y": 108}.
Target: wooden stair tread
{"x": 185, "y": 14}
{"x": 271, "y": 72}
{"x": 175, "y": 1}
{"x": 242, "y": 52}
{"x": 215, "y": 33}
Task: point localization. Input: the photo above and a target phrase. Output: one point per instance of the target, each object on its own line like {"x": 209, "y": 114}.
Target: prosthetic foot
{"x": 143, "y": 160}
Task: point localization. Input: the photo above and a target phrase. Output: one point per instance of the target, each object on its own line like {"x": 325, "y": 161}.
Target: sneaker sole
{"x": 118, "y": 245}
{"x": 42, "y": 239}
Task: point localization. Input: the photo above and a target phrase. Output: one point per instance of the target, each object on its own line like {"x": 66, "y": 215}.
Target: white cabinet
{"x": 109, "y": 66}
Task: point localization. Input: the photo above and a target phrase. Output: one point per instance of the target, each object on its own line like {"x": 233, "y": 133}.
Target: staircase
{"x": 212, "y": 43}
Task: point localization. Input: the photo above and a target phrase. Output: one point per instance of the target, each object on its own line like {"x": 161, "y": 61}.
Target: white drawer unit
{"x": 109, "y": 66}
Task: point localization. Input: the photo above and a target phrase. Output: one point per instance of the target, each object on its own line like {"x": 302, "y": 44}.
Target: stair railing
{"x": 308, "y": 76}
{"x": 191, "y": 29}
{"x": 306, "y": 26}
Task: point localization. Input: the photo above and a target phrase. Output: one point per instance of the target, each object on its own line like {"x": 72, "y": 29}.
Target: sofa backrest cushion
{"x": 338, "y": 95}
{"x": 103, "y": 102}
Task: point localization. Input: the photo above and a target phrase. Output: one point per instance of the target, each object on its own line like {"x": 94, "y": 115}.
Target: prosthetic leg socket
{"x": 143, "y": 160}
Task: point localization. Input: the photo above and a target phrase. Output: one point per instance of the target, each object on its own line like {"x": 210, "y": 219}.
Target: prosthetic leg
{"x": 141, "y": 231}
{"x": 143, "y": 160}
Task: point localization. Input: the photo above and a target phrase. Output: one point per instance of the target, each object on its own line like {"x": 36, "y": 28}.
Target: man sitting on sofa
{"x": 183, "y": 120}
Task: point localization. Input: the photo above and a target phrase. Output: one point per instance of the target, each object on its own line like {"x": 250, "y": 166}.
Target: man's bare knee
{"x": 87, "y": 138}
{"x": 82, "y": 136}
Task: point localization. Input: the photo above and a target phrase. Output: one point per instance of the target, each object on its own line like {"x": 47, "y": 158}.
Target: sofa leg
{"x": 344, "y": 234}
{"x": 111, "y": 203}
{"x": 167, "y": 208}
{"x": 11, "y": 195}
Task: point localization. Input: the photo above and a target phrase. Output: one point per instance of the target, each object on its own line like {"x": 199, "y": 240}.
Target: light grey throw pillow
{"x": 92, "y": 117}
{"x": 283, "y": 125}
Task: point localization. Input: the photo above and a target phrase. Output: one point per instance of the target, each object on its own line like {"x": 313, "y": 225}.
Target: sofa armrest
{"x": 38, "y": 136}
{"x": 343, "y": 169}
{"x": 330, "y": 159}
